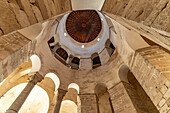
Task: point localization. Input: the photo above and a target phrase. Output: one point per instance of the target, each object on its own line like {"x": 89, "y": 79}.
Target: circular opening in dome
{"x": 83, "y": 25}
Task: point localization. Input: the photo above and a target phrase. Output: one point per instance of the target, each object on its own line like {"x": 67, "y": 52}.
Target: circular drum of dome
{"x": 83, "y": 25}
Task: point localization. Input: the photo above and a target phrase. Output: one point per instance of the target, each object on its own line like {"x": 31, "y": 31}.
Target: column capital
{"x": 62, "y": 92}
{"x": 36, "y": 78}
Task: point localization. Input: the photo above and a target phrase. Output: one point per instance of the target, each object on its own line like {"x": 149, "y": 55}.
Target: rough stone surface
{"x": 119, "y": 97}
{"x": 20, "y": 15}
{"x": 52, "y": 7}
{"x": 62, "y": 6}
{"x": 37, "y": 13}
{"x": 153, "y": 13}
{"x": 85, "y": 63}
{"x": 8, "y": 21}
{"x": 44, "y": 8}
{"x": 26, "y": 6}
{"x": 14, "y": 50}
{"x": 163, "y": 19}
{"x": 88, "y": 103}
{"x": 152, "y": 58}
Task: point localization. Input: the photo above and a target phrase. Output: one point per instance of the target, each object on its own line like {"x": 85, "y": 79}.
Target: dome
{"x": 83, "y": 25}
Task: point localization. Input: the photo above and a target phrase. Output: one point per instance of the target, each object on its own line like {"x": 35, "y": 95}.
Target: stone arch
{"x": 137, "y": 94}
{"x": 36, "y": 63}
{"x": 26, "y": 68}
{"x": 131, "y": 36}
{"x": 33, "y": 65}
{"x": 123, "y": 72}
{"x": 100, "y": 88}
{"x": 55, "y": 79}
{"x": 47, "y": 84}
{"x": 70, "y": 101}
{"x": 103, "y": 98}
{"x": 74, "y": 86}
{"x": 29, "y": 101}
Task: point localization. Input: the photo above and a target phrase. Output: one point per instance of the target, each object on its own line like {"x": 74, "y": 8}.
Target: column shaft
{"x": 17, "y": 104}
{"x": 61, "y": 94}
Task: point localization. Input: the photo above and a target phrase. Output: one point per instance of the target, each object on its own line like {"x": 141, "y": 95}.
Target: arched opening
{"x": 137, "y": 94}
{"x": 61, "y": 55}
{"x": 51, "y": 43}
{"x": 75, "y": 63}
{"x": 103, "y": 99}
{"x": 70, "y": 100}
{"x": 33, "y": 104}
{"x": 55, "y": 79}
{"x": 95, "y": 60}
{"x": 110, "y": 47}
{"x": 36, "y": 63}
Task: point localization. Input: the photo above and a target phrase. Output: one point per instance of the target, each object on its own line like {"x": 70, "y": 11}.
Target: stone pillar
{"x": 88, "y": 103}
{"x": 61, "y": 94}
{"x": 120, "y": 99}
{"x": 71, "y": 95}
{"x": 151, "y": 68}
{"x": 17, "y": 104}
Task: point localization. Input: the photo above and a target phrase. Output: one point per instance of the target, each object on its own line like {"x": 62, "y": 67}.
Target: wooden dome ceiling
{"x": 83, "y": 25}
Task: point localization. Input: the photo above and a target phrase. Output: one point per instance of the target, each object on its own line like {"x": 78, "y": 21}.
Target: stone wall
{"x": 120, "y": 99}
{"x": 17, "y": 14}
{"x": 14, "y": 50}
{"x": 159, "y": 37}
{"x": 88, "y": 103}
{"x": 151, "y": 67}
{"x": 153, "y": 13}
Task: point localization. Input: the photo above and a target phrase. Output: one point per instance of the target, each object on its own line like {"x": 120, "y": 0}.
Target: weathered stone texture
{"x": 85, "y": 63}
{"x": 8, "y": 21}
{"x": 119, "y": 97}
{"x": 44, "y": 8}
{"x": 14, "y": 49}
{"x": 88, "y": 103}
{"x": 153, "y": 13}
{"x": 151, "y": 69}
{"x": 37, "y": 13}
{"x": 26, "y": 6}
{"x": 162, "y": 21}
{"x": 52, "y": 7}
{"x": 136, "y": 99}
{"x": 20, "y": 15}
{"x": 16, "y": 14}
{"x": 62, "y": 6}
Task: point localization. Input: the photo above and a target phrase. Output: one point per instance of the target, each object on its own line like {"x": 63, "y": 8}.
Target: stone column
{"x": 71, "y": 95}
{"x": 16, "y": 105}
{"x": 88, "y": 103}
{"x": 61, "y": 94}
{"x": 120, "y": 99}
